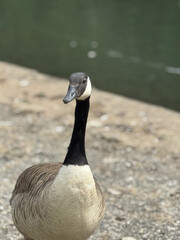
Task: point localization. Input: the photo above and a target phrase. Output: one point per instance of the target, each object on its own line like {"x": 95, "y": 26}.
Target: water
{"x": 128, "y": 47}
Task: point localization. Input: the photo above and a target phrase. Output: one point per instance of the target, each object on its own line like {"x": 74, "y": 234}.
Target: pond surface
{"x": 127, "y": 47}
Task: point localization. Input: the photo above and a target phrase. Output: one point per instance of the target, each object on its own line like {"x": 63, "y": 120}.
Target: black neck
{"x": 76, "y": 154}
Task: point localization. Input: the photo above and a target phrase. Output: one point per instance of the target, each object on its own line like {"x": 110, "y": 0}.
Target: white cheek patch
{"x": 87, "y": 91}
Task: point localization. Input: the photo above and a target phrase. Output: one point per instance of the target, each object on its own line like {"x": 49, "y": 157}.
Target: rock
{"x": 128, "y": 238}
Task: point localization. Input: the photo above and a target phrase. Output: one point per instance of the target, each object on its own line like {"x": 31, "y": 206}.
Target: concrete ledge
{"x": 132, "y": 147}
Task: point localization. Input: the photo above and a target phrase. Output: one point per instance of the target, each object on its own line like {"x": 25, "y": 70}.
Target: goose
{"x": 61, "y": 201}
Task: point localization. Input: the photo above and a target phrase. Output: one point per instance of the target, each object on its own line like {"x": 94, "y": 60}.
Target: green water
{"x": 128, "y": 47}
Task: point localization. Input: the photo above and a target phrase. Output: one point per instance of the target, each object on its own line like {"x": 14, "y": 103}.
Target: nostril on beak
{"x": 71, "y": 94}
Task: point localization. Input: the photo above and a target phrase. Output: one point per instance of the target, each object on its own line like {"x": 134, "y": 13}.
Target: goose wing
{"x": 35, "y": 178}
{"x": 101, "y": 198}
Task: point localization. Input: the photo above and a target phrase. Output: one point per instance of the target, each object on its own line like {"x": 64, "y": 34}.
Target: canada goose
{"x": 61, "y": 201}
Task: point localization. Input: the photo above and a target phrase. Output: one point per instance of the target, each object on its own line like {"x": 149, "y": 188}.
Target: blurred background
{"x": 127, "y": 47}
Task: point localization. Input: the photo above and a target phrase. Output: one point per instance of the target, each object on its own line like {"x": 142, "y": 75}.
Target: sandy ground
{"x": 133, "y": 149}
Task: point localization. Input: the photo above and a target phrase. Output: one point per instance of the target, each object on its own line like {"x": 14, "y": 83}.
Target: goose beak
{"x": 72, "y": 93}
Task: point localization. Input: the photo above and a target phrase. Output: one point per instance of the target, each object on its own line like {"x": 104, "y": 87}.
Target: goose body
{"x": 61, "y": 201}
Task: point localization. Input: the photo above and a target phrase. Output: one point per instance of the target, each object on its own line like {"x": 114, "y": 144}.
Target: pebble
{"x": 128, "y": 164}
{"x": 16, "y": 100}
{"x": 144, "y": 119}
{"x": 107, "y": 128}
{"x": 129, "y": 149}
{"x": 128, "y": 238}
{"x": 1, "y": 208}
{"x": 113, "y": 191}
{"x": 104, "y": 117}
{"x": 94, "y": 123}
{"x": 141, "y": 113}
{"x": 110, "y": 160}
{"x": 5, "y": 123}
{"x": 129, "y": 179}
{"x": 59, "y": 129}
{"x": 24, "y": 83}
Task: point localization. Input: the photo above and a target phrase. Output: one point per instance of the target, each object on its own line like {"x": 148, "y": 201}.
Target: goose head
{"x": 79, "y": 87}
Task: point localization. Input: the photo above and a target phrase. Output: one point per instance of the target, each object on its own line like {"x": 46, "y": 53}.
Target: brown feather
{"x": 35, "y": 178}
{"x": 101, "y": 196}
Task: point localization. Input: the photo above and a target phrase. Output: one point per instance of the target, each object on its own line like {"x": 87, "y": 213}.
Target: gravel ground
{"x": 132, "y": 147}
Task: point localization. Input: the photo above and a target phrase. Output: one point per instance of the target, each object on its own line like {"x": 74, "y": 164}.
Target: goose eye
{"x": 85, "y": 80}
